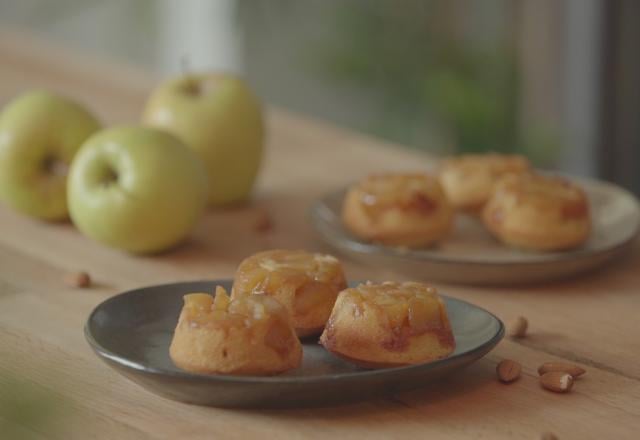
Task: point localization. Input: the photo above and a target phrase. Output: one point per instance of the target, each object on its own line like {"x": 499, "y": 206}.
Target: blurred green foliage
{"x": 28, "y": 411}
{"x": 424, "y": 73}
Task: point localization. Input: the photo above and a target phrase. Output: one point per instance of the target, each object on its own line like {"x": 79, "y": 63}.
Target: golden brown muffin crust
{"x": 389, "y": 324}
{"x": 469, "y": 180}
{"x": 398, "y": 210}
{"x": 538, "y": 212}
{"x": 249, "y": 335}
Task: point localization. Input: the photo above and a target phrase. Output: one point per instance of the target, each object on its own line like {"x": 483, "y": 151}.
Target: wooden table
{"x": 592, "y": 321}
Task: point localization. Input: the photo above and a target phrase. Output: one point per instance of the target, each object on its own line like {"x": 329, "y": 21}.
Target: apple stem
{"x": 110, "y": 177}
{"x": 54, "y": 166}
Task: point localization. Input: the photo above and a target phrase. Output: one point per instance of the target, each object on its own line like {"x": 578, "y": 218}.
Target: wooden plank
{"x": 564, "y": 325}
{"x": 487, "y": 405}
{"x": 589, "y": 320}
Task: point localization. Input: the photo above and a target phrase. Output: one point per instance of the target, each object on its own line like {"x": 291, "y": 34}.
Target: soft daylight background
{"x": 544, "y": 78}
{"x": 556, "y": 80}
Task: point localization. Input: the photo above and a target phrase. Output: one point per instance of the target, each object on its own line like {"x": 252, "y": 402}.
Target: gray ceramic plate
{"x": 131, "y": 332}
{"x": 472, "y": 256}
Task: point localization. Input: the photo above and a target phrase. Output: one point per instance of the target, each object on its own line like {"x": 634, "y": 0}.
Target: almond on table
{"x": 508, "y": 370}
{"x": 263, "y": 223}
{"x": 78, "y": 279}
{"x": 565, "y": 367}
{"x": 518, "y": 328}
{"x": 557, "y": 381}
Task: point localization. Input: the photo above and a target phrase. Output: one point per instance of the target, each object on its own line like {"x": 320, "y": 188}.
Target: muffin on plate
{"x": 469, "y": 180}
{"x": 537, "y": 212}
{"x": 305, "y": 283}
{"x": 242, "y": 336}
{"x": 408, "y": 210}
{"x": 389, "y": 324}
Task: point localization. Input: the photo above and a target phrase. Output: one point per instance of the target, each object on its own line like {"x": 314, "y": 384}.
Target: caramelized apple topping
{"x": 408, "y": 192}
{"x": 197, "y": 307}
{"x": 198, "y": 301}
{"x": 578, "y": 209}
{"x": 414, "y": 306}
{"x": 203, "y": 309}
{"x": 495, "y": 165}
{"x": 279, "y": 337}
{"x": 422, "y": 314}
{"x": 312, "y": 295}
{"x": 420, "y": 203}
{"x": 298, "y": 261}
{"x": 284, "y": 269}
{"x": 547, "y": 192}
{"x": 221, "y": 301}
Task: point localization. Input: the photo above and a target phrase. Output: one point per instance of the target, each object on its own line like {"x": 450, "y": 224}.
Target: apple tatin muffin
{"x": 307, "y": 284}
{"x": 389, "y": 324}
{"x": 538, "y": 212}
{"x": 469, "y": 180}
{"x": 408, "y": 210}
{"x": 242, "y": 336}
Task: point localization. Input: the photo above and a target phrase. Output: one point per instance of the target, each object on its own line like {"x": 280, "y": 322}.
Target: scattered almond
{"x": 508, "y": 370}
{"x": 78, "y": 279}
{"x": 548, "y": 436}
{"x": 557, "y": 381}
{"x": 572, "y": 369}
{"x": 518, "y": 328}
{"x": 263, "y": 223}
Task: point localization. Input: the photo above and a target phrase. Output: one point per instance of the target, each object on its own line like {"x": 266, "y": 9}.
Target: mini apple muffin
{"x": 538, "y": 212}
{"x": 307, "y": 284}
{"x": 469, "y": 180}
{"x": 408, "y": 210}
{"x": 250, "y": 335}
{"x": 388, "y": 325}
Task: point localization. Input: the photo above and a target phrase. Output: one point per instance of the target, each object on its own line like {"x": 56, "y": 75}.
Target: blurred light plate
{"x": 472, "y": 256}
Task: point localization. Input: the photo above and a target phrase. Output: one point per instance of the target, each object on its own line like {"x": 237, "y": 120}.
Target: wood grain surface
{"x": 592, "y": 321}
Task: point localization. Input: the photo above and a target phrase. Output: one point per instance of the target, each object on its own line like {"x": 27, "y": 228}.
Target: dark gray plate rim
{"x": 363, "y": 374}
{"x": 320, "y": 211}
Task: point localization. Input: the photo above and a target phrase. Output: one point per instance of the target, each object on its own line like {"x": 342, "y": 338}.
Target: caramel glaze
{"x": 575, "y": 210}
{"x": 416, "y": 202}
{"x": 279, "y": 339}
{"x": 419, "y": 202}
{"x": 399, "y": 340}
{"x": 277, "y": 336}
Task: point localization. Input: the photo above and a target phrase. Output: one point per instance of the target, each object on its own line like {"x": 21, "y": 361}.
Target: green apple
{"x": 39, "y": 134}
{"x": 136, "y": 188}
{"x": 219, "y": 117}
